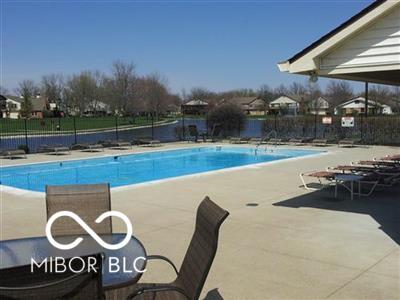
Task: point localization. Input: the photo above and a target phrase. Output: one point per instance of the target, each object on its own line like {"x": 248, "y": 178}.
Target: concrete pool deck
{"x": 295, "y": 244}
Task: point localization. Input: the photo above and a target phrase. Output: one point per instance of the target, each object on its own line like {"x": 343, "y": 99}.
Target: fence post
{"x": 183, "y": 125}
{"x": 152, "y": 125}
{"x": 75, "y": 137}
{"x": 361, "y": 128}
{"x": 116, "y": 128}
{"x": 26, "y": 133}
{"x": 315, "y": 126}
{"x": 275, "y": 127}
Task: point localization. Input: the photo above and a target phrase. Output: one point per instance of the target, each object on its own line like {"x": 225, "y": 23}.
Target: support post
{"x": 366, "y": 99}
{"x": 152, "y": 125}
{"x": 26, "y": 133}
{"x": 116, "y": 127}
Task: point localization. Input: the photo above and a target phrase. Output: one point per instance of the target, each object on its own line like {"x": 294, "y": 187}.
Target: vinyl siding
{"x": 375, "y": 45}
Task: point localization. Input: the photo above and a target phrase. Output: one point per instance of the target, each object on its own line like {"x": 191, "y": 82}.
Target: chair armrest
{"x": 150, "y": 257}
{"x": 159, "y": 288}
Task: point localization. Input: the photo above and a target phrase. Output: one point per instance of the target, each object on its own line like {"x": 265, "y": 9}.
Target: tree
{"x": 82, "y": 90}
{"x": 27, "y": 89}
{"x": 155, "y": 94}
{"x": 121, "y": 87}
{"x": 229, "y": 116}
{"x": 339, "y": 92}
{"x": 52, "y": 87}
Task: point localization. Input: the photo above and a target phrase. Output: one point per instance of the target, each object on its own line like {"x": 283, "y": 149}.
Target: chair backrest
{"x": 216, "y": 130}
{"x": 202, "y": 248}
{"x": 21, "y": 283}
{"x": 193, "y": 130}
{"x": 88, "y": 201}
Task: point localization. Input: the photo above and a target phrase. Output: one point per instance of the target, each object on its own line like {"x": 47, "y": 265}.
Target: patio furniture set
{"x": 17, "y": 281}
{"x": 366, "y": 175}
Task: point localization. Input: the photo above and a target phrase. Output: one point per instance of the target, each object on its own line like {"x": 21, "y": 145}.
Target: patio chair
{"x": 297, "y": 141}
{"x": 118, "y": 145}
{"x": 195, "y": 266}
{"x": 321, "y": 142}
{"x": 86, "y": 147}
{"x": 20, "y": 283}
{"x": 17, "y": 153}
{"x": 86, "y": 200}
{"x": 239, "y": 140}
{"x": 214, "y": 136}
{"x": 276, "y": 141}
{"x": 393, "y": 157}
{"x": 54, "y": 149}
{"x": 193, "y": 133}
{"x": 349, "y": 142}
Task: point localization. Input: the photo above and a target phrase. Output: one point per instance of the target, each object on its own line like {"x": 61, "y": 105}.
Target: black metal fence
{"x": 32, "y": 134}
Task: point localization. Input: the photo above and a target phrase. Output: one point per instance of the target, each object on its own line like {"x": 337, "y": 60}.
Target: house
{"x": 10, "y": 106}
{"x": 195, "y": 107}
{"x": 97, "y": 108}
{"x": 254, "y": 106}
{"x": 319, "y": 106}
{"x": 13, "y": 104}
{"x": 285, "y": 105}
{"x": 364, "y": 48}
{"x": 357, "y": 106}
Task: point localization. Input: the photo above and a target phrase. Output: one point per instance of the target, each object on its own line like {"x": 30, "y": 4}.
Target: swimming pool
{"x": 141, "y": 167}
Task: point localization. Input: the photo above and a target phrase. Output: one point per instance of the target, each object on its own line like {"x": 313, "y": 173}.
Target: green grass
{"x": 67, "y": 124}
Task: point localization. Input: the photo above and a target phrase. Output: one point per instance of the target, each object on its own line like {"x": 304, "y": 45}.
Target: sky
{"x": 219, "y": 45}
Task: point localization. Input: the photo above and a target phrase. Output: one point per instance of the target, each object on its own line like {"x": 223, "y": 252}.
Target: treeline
{"x": 122, "y": 90}
{"x": 336, "y": 92}
{"x": 127, "y": 93}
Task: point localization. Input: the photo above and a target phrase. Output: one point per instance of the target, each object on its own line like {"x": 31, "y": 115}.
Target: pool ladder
{"x": 268, "y": 135}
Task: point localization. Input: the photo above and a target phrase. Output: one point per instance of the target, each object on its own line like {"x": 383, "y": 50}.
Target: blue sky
{"x": 218, "y": 45}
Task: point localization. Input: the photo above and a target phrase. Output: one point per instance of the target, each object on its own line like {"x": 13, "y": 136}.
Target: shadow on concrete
{"x": 383, "y": 206}
{"x": 213, "y": 295}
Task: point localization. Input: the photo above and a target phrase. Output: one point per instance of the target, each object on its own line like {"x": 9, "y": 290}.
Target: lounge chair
{"x": 17, "y": 153}
{"x": 276, "y": 141}
{"x": 87, "y": 200}
{"x": 150, "y": 143}
{"x": 349, "y": 142}
{"x": 86, "y": 147}
{"x": 239, "y": 140}
{"x": 54, "y": 149}
{"x": 321, "y": 142}
{"x": 118, "y": 145}
{"x": 394, "y": 157}
{"x": 215, "y": 134}
{"x": 332, "y": 178}
{"x": 257, "y": 141}
{"x": 21, "y": 283}
{"x": 300, "y": 140}
{"x": 195, "y": 266}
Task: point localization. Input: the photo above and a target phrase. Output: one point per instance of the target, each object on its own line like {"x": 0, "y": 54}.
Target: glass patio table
{"x": 18, "y": 252}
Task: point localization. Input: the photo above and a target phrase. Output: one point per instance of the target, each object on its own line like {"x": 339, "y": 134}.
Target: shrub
{"x": 230, "y": 117}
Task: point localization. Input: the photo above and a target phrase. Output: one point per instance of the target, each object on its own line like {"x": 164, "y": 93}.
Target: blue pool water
{"x": 137, "y": 168}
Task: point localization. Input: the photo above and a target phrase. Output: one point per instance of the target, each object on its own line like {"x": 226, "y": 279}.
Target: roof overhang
{"x": 308, "y": 61}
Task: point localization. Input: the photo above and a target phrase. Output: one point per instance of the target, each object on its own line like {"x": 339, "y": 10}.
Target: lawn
{"x": 71, "y": 124}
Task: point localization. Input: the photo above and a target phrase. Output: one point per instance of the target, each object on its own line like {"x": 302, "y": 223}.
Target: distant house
{"x": 97, "y": 108}
{"x": 357, "y": 106}
{"x": 250, "y": 105}
{"x": 11, "y": 106}
{"x": 319, "y": 106}
{"x": 195, "y": 107}
{"x": 285, "y": 105}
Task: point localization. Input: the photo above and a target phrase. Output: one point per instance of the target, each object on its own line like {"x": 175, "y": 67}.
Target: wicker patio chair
{"x": 195, "y": 266}
{"x": 88, "y": 201}
{"x": 21, "y": 283}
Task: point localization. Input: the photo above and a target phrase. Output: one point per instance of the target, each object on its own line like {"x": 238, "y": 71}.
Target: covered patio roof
{"x": 364, "y": 48}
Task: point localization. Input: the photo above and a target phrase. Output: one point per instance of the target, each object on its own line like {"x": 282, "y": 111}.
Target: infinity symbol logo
{"x": 89, "y": 230}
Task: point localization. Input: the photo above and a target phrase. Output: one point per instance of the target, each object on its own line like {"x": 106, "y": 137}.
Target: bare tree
{"x": 81, "y": 91}
{"x": 121, "y": 87}
{"x": 339, "y": 91}
{"x": 281, "y": 90}
{"x": 52, "y": 87}
{"x": 27, "y": 89}
{"x": 156, "y": 94}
